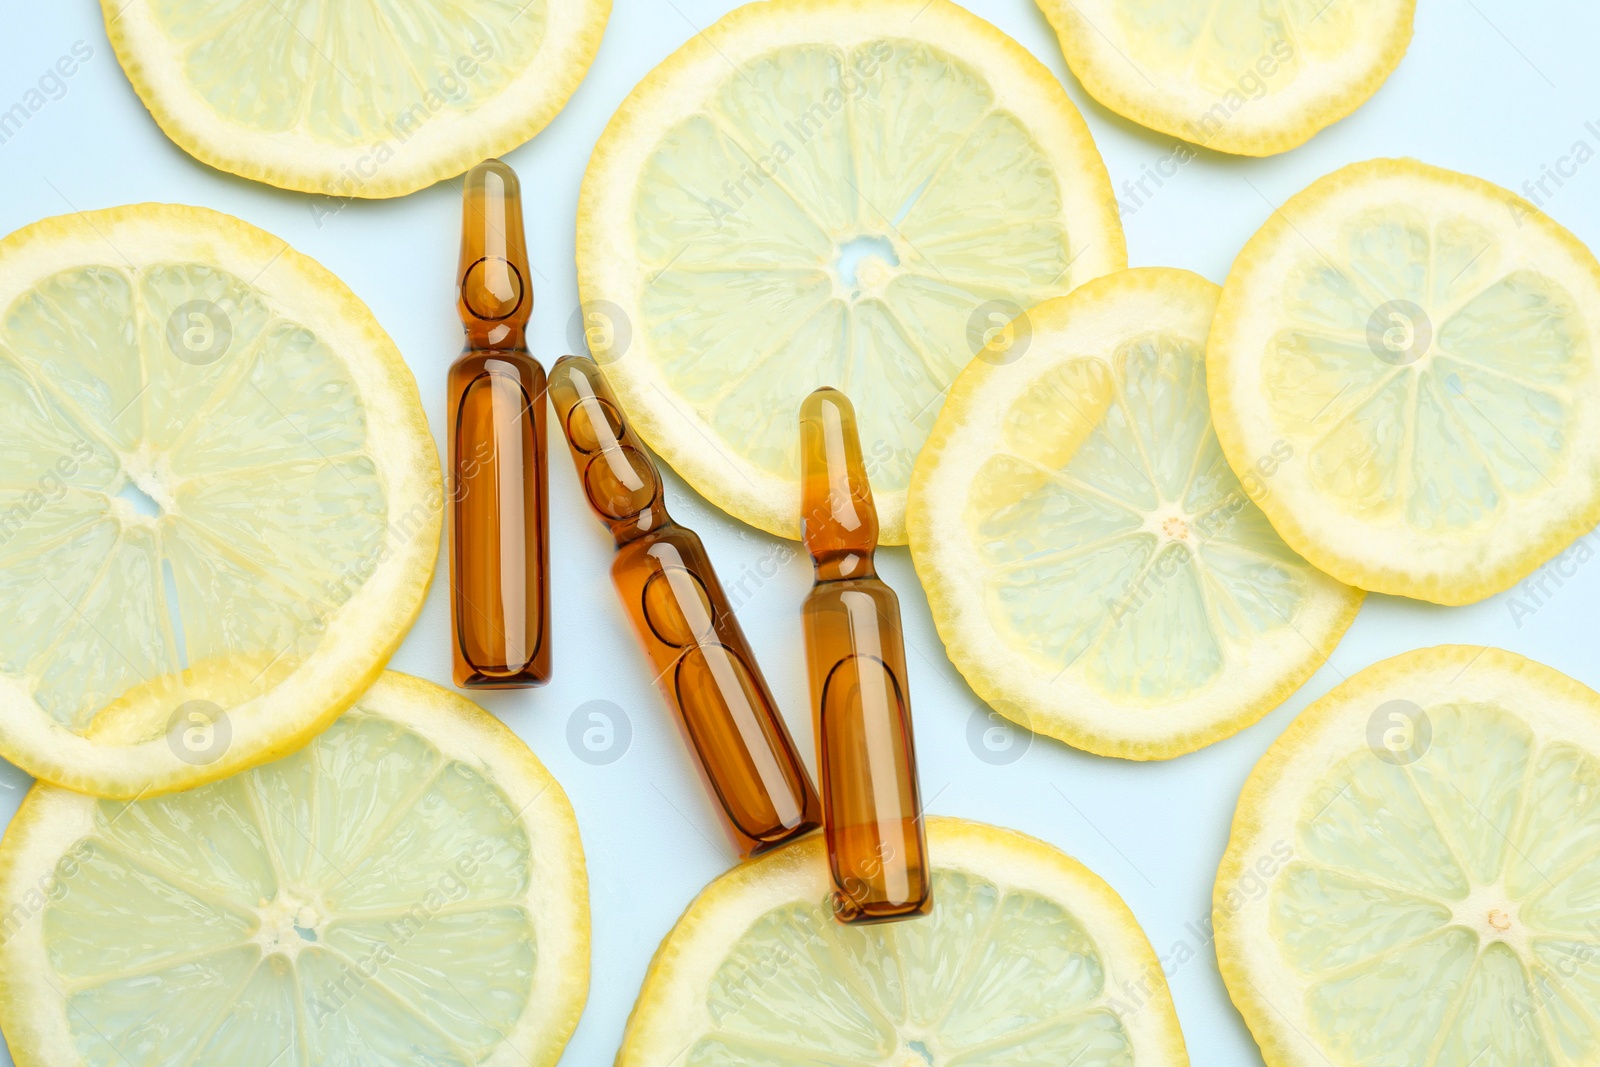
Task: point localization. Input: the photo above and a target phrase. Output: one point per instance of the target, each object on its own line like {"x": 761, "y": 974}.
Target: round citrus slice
{"x": 1425, "y": 343}
{"x": 219, "y": 499}
{"x": 408, "y": 888}
{"x": 369, "y": 99}
{"x": 1234, "y": 75}
{"x": 1073, "y": 521}
{"x": 1027, "y": 958}
{"x": 827, "y": 192}
{"x": 1412, "y": 871}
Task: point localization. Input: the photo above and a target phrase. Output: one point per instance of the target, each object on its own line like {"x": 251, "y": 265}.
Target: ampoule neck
{"x": 502, "y": 340}
{"x": 652, "y": 522}
{"x": 843, "y": 565}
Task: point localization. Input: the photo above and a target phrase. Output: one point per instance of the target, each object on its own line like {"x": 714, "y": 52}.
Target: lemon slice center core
{"x": 1491, "y": 912}
{"x": 912, "y": 1054}
{"x": 865, "y": 265}
{"x": 290, "y": 922}
{"x": 146, "y": 494}
{"x": 1170, "y": 523}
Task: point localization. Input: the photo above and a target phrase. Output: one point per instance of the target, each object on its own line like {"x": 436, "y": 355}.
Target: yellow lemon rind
{"x": 50, "y": 819}
{"x": 1114, "y": 81}
{"x": 1281, "y": 1043}
{"x": 521, "y": 111}
{"x": 1239, "y": 433}
{"x": 798, "y": 873}
{"x": 605, "y": 250}
{"x": 366, "y": 630}
{"x": 1068, "y": 712}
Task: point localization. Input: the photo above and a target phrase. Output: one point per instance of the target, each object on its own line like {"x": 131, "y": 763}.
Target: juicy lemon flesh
{"x": 917, "y": 993}
{"x": 347, "y": 74}
{"x": 1427, "y": 383}
{"x": 1460, "y": 886}
{"x": 785, "y": 245}
{"x": 186, "y": 484}
{"x": 1115, "y": 534}
{"x": 1209, "y": 44}
{"x": 358, "y": 902}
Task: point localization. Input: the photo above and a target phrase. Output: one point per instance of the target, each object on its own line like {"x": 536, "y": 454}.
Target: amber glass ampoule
{"x": 682, "y": 617}
{"x": 866, "y": 757}
{"x": 499, "y": 527}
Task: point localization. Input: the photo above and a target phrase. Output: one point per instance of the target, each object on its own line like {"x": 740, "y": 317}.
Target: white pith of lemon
{"x": 1027, "y": 958}
{"x": 1411, "y": 874}
{"x": 1095, "y": 569}
{"x": 726, "y": 206}
{"x": 409, "y": 887}
{"x": 1426, "y": 342}
{"x": 220, "y": 502}
{"x": 353, "y": 100}
{"x": 1233, "y": 75}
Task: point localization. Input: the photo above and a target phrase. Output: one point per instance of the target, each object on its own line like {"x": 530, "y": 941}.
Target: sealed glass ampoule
{"x": 499, "y": 527}
{"x": 866, "y": 757}
{"x": 683, "y": 620}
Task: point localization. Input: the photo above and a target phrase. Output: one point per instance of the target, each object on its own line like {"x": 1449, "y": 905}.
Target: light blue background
{"x": 1497, "y": 88}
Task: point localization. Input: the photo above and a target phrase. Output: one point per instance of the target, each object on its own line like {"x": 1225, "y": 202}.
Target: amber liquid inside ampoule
{"x": 702, "y": 662}
{"x": 855, "y": 653}
{"x": 499, "y": 548}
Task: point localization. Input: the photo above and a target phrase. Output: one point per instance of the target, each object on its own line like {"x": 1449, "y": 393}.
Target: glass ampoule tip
{"x": 493, "y": 271}
{"x": 839, "y": 522}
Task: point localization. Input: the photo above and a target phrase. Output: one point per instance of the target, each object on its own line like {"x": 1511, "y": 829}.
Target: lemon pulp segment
{"x": 1027, "y": 958}
{"x": 220, "y": 503}
{"x": 1233, "y": 75}
{"x": 407, "y": 887}
{"x": 827, "y": 193}
{"x": 1411, "y": 874}
{"x": 1425, "y": 341}
{"x": 371, "y": 100}
{"x": 1095, "y": 568}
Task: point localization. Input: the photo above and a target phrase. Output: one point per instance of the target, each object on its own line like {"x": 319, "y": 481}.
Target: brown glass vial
{"x": 866, "y": 757}
{"x": 683, "y": 620}
{"x": 499, "y": 526}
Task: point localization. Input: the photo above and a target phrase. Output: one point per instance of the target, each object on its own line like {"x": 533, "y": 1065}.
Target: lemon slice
{"x": 1073, "y": 522}
{"x": 367, "y": 99}
{"x": 1027, "y": 958}
{"x": 409, "y": 888}
{"x": 1412, "y": 870}
{"x": 1425, "y": 343}
{"x": 827, "y": 192}
{"x": 1238, "y": 76}
{"x": 219, "y": 499}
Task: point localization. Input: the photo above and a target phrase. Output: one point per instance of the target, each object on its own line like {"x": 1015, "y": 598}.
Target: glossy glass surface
{"x": 703, "y": 664}
{"x": 855, "y": 653}
{"x": 499, "y": 527}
